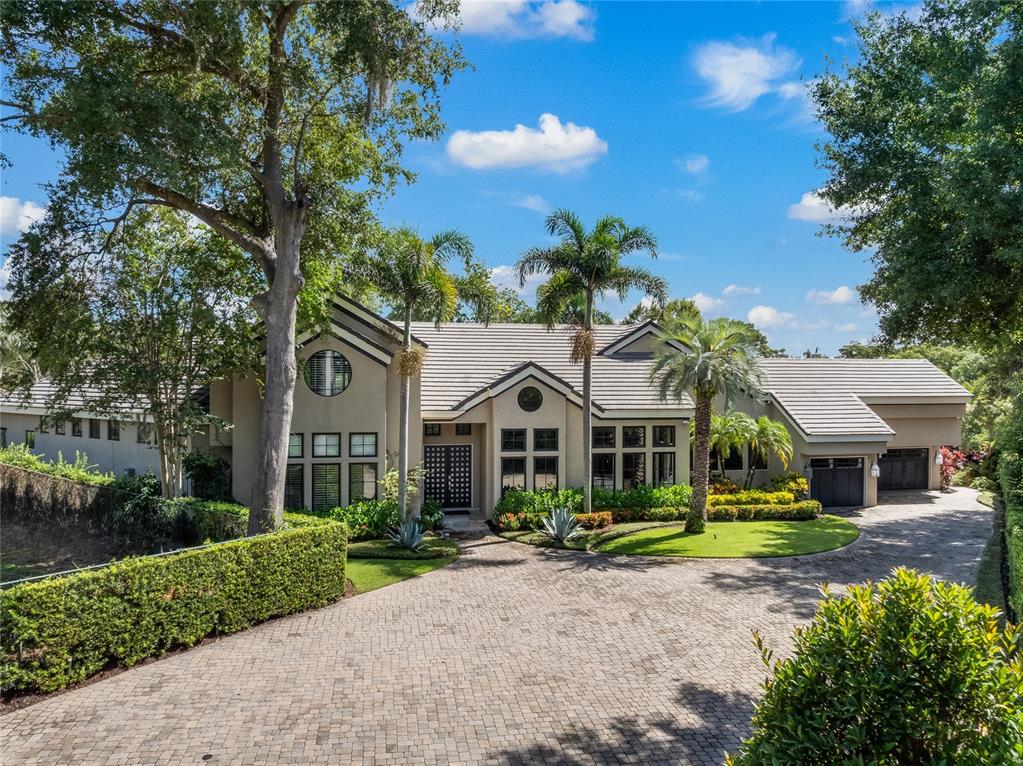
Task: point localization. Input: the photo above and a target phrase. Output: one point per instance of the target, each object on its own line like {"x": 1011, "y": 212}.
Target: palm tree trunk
{"x": 587, "y": 413}
{"x": 697, "y": 518}
{"x": 406, "y": 394}
{"x": 752, "y": 470}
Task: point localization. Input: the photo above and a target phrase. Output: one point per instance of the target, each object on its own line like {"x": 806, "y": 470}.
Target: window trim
{"x": 292, "y": 468}
{"x": 463, "y": 429}
{"x": 60, "y": 428}
{"x": 30, "y": 438}
{"x": 557, "y": 484}
{"x": 95, "y": 428}
{"x": 659, "y": 445}
{"x": 626, "y": 456}
{"x": 320, "y": 468}
{"x": 642, "y": 440}
{"x": 527, "y": 390}
{"x": 113, "y": 430}
{"x": 614, "y": 468}
{"x": 76, "y": 427}
{"x": 376, "y": 478}
{"x": 301, "y": 445}
{"x": 43, "y": 427}
{"x": 654, "y": 460}
{"x": 327, "y": 433}
{"x": 351, "y": 450}
{"x": 431, "y": 429}
{"x": 538, "y": 448}
{"x": 511, "y": 431}
{"x": 345, "y": 367}
{"x": 523, "y": 472}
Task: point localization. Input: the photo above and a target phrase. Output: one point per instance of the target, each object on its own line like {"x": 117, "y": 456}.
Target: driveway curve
{"x": 513, "y": 654}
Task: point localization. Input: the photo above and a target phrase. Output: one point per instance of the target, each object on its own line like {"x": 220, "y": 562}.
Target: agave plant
{"x": 407, "y": 535}
{"x": 561, "y": 525}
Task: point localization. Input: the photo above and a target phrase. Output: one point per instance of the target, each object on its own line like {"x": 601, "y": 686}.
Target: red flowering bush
{"x": 952, "y": 460}
{"x": 595, "y": 520}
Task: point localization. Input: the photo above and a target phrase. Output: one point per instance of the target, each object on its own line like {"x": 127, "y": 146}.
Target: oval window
{"x": 530, "y": 399}
{"x": 328, "y": 373}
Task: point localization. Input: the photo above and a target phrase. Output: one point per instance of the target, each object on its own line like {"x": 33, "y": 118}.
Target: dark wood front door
{"x": 448, "y": 475}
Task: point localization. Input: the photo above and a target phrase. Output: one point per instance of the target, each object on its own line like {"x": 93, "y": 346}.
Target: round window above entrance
{"x": 328, "y": 373}
{"x": 530, "y": 398}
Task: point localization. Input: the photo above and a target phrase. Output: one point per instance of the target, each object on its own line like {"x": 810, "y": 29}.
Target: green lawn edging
{"x": 371, "y": 574}
{"x": 432, "y": 548}
{"x": 59, "y": 631}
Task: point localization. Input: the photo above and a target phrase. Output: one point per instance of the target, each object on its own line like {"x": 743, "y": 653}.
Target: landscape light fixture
{"x": 808, "y": 471}
{"x": 875, "y": 469}
{"x": 938, "y": 458}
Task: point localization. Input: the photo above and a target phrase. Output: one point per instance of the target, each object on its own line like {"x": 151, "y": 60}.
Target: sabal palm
{"x": 769, "y": 438}
{"x": 410, "y": 273}
{"x": 587, "y": 264}
{"x": 729, "y": 431}
{"x": 704, "y": 358}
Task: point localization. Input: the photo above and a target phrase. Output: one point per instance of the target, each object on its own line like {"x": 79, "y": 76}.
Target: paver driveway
{"x": 512, "y": 654}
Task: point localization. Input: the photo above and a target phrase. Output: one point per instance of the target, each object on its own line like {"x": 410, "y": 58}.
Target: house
{"x": 498, "y": 406}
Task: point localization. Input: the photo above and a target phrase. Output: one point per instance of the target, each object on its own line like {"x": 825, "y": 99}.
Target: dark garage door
{"x": 903, "y": 469}
{"x": 837, "y": 481}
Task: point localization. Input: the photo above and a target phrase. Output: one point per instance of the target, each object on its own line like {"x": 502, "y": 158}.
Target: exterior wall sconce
{"x": 875, "y": 469}
{"x": 808, "y": 471}
{"x": 938, "y": 458}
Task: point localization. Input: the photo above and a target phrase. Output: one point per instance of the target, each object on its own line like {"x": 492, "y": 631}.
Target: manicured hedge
{"x": 752, "y": 497}
{"x": 215, "y": 521}
{"x": 60, "y": 631}
{"x": 804, "y": 511}
{"x": 1010, "y": 475}
{"x": 641, "y": 497}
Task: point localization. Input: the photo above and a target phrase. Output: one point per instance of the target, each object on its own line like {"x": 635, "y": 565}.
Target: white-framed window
{"x": 326, "y": 445}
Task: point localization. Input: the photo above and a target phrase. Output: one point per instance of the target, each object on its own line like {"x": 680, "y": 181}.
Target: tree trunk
{"x": 752, "y": 470}
{"x": 403, "y": 414}
{"x": 278, "y": 308}
{"x": 587, "y": 413}
{"x": 697, "y": 518}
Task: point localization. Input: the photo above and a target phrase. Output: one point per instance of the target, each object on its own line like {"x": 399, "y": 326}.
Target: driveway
{"x": 511, "y": 655}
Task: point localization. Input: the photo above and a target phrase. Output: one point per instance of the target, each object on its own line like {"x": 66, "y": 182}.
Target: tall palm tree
{"x": 705, "y": 358}
{"x": 728, "y": 431}
{"x": 588, "y": 264}
{"x": 411, "y": 273}
{"x": 769, "y": 438}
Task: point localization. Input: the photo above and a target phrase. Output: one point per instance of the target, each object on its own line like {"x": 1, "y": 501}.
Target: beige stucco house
{"x": 498, "y": 407}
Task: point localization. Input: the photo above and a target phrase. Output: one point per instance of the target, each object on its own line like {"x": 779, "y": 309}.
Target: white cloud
{"x": 533, "y": 202}
{"x": 739, "y": 74}
{"x": 813, "y": 207}
{"x": 5, "y": 277}
{"x": 846, "y": 327}
{"x": 507, "y": 277}
{"x": 694, "y": 164}
{"x": 17, "y": 216}
{"x": 731, "y": 290}
{"x": 555, "y": 146}
{"x": 765, "y": 317}
{"x": 840, "y": 296}
{"x": 519, "y": 19}
{"x": 707, "y": 303}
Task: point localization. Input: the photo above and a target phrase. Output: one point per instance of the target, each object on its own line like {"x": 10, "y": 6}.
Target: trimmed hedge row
{"x": 637, "y": 498}
{"x": 752, "y": 497}
{"x": 1010, "y": 475}
{"x": 60, "y": 631}
{"x": 803, "y": 511}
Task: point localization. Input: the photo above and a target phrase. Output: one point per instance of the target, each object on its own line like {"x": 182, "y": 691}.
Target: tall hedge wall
{"x": 57, "y": 632}
{"x": 1010, "y": 474}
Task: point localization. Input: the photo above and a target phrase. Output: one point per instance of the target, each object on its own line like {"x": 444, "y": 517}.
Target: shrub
{"x": 752, "y": 497}
{"x": 804, "y": 511}
{"x": 368, "y": 519}
{"x": 61, "y": 631}
{"x": 676, "y": 494}
{"x": 210, "y": 475}
{"x": 431, "y": 516}
{"x": 618, "y": 501}
{"x": 722, "y": 485}
{"x": 145, "y": 518}
{"x": 984, "y": 484}
{"x": 511, "y": 522}
{"x": 793, "y": 482}
{"x": 1010, "y": 474}
{"x": 910, "y": 670}
{"x": 597, "y": 520}
{"x": 536, "y": 503}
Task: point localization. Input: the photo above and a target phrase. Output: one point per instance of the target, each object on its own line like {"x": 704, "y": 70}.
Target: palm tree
{"x": 704, "y": 358}
{"x": 587, "y": 264}
{"x": 769, "y": 438}
{"x": 410, "y": 273}
{"x": 728, "y": 431}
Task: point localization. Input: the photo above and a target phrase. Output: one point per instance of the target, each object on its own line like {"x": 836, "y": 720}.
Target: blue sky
{"x": 689, "y": 118}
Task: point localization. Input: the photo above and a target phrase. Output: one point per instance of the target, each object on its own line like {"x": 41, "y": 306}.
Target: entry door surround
{"x": 448, "y": 474}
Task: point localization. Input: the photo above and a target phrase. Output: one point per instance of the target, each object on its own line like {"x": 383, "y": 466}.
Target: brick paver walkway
{"x": 511, "y": 655}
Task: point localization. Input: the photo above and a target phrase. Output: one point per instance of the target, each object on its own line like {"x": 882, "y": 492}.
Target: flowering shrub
{"x": 952, "y": 461}
{"x": 722, "y": 485}
{"x": 597, "y": 520}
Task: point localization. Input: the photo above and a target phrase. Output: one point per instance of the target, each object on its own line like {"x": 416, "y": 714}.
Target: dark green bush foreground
{"x": 57, "y": 632}
{"x": 1010, "y": 474}
{"x": 908, "y": 671}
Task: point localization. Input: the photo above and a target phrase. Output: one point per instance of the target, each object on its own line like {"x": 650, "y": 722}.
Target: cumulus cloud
{"x": 533, "y": 202}
{"x": 813, "y": 207}
{"x": 694, "y": 164}
{"x": 519, "y": 19}
{"x": 17, "y": 216}
{"x": 707, "y": 303}
{"x": 554, "y": 146}
{"x": 740, "y": 73}
{"x": 840, "y": 296}
{"x": 765, "y": 317}
{"x": 731, "y": 290}
{"x": 506, "y": 277}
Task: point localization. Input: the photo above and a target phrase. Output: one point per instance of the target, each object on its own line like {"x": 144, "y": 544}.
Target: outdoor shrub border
{"x": 1010, "y": 474}
{"x": 62, "y": 630}
{"x": 804, "y": 511}
{"x": 752, "y": 497}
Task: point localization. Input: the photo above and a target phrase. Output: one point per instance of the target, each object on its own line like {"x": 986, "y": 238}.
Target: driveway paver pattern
{"x": 513, "y": 654}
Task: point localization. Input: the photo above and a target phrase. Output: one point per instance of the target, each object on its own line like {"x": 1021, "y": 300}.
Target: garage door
{"x": 837, "y": 481}
{"x": 903, "y": 469}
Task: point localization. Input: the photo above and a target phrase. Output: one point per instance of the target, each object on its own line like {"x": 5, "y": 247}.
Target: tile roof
{"x": 465, "y": 357}
{"x": 826, "y": 397}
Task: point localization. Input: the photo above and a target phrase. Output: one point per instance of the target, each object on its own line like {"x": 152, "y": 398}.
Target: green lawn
{"x": 370, "y": 574}
{"x": 432, "y": 548}
{"x": 738, "y": 539}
